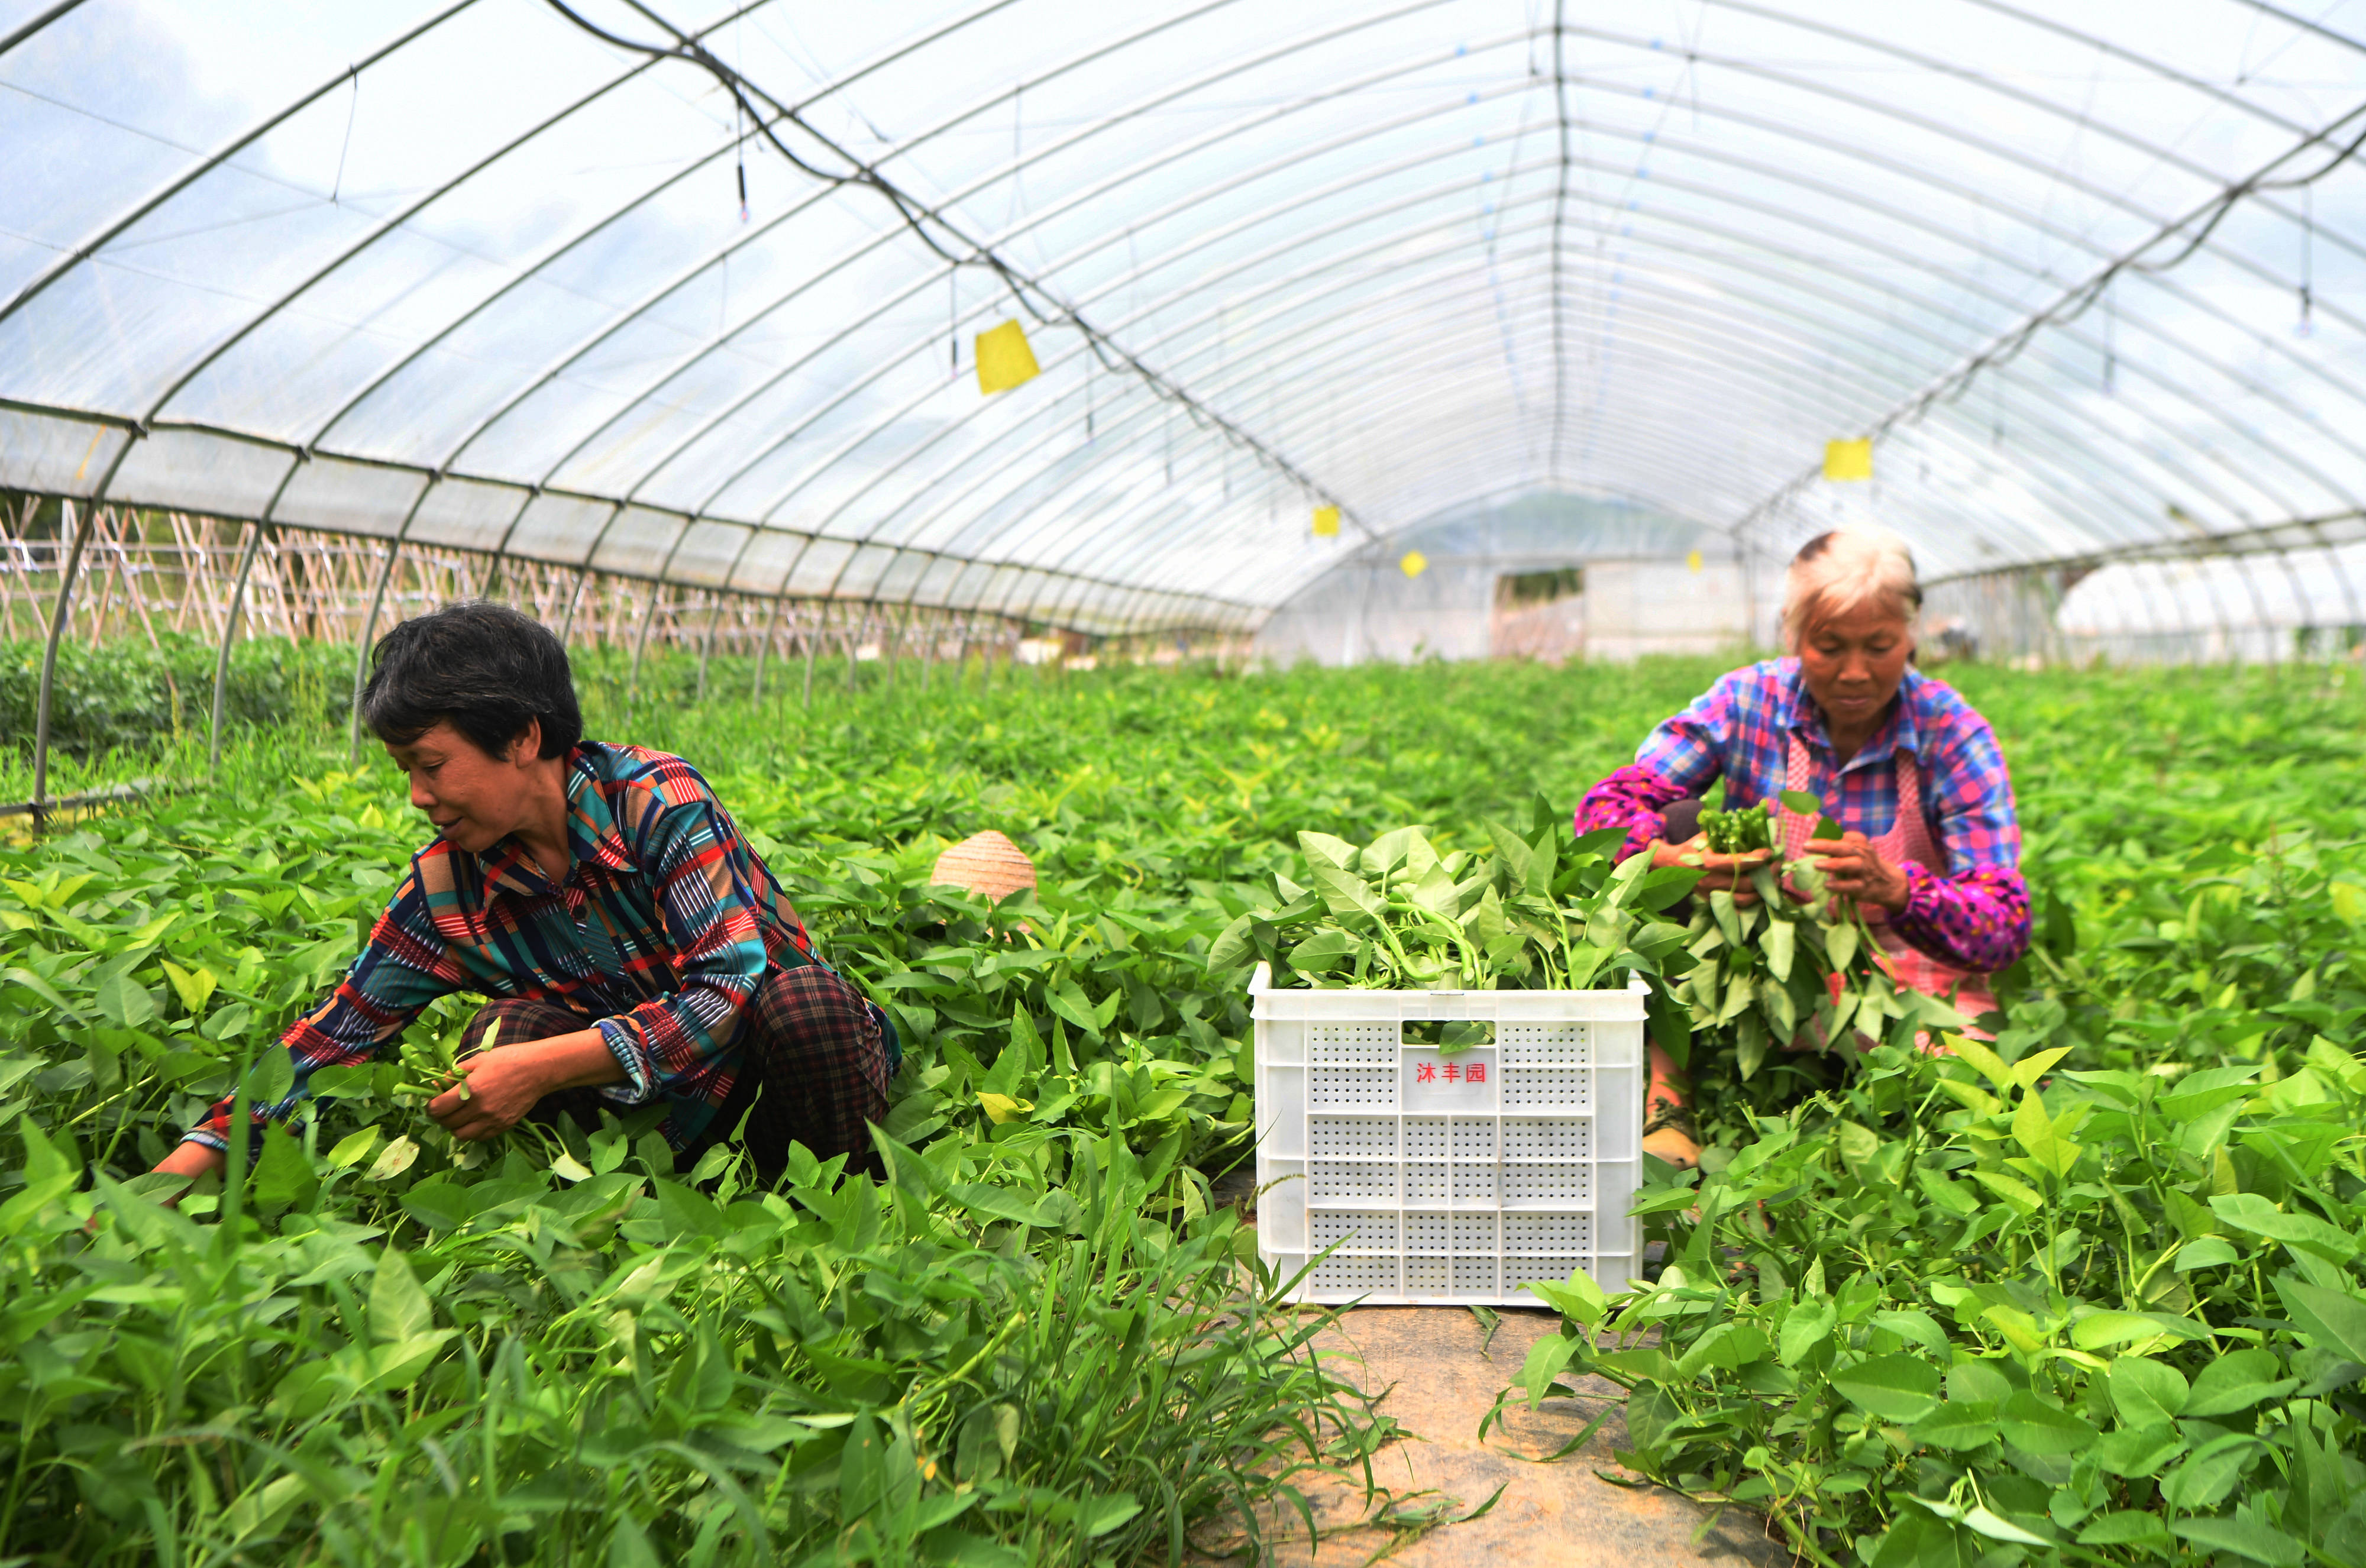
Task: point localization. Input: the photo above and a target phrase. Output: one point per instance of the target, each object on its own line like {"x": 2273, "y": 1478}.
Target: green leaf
{"x": 194, "y": 987}
{"x": 1802, "y": 803}
{"x": 2140, "y": 1450}
{"x": 1322, "y": 849}
{"x": 1405, "y": 850}
{"x": 2205, "y": 1480}
{"x": 2099, "y": 1331}
{"x": 1895, "y": 1388}
{"x": 1957, "y": 1424}
{"x": 2334, "y": 1319}
{"x": 1778, "y": 945}
{"x": 1805, "y": 1327}
{"x": 2250, "y": 1211}
{"x": 2024, "y": 1198}
{"x": 1232, "y": 949}
{"x": 437, "y": 1204}
{"x": 2209, "y": 1252}
{"x": 43, "y": 989}
{"x": 2036, "y": 1132}
{"x": 2128, "y": 1527}
{"x": 1547, "y": 1358}
{"x": 283, "y": 1174}
{"x": 399, "y": 1309}
{"x": 2246, "y": 1538}
{"x": 2034, "y": 1427}
{"x": 1485, "y": 923}
{"x": 1346, "y": 893}
{"x": 2236, "y": 1381}
{"x": 124, "y": 1001}
{"x": 1323, "y": 952}
{"x": 271, "y": 1079}
{"x": 1840, "y": 945}
{"x": 1579, "y": 1300}
{"x": 2146, "y": 1392}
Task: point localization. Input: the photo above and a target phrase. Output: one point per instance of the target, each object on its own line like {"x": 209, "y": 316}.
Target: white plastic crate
{"x": 1447, "y": 1180}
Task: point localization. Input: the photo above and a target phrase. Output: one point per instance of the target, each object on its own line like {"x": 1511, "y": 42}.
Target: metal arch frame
{"x": 1044, "y": 215}
{"x": 1144, "y": 540}
{"x": 882, "y": 311}
{"x": 1969, "y": 244}
{"x": 2149, "y": 458}
{"x": 534, "y": 273}
{"x": 231, "y": 616}
{"x": 1363, "y": 304}
{"x": 89, "y": 248}
{"x": 1945, "y": 438}
{"x": 1049, "y": 151}
{"x": 44, "y": 700}
{"x": 383, "y": 227}
{"x": 67, "y": 573}
{"x": 1166, "y": 258}
{"x": 709, "y": 263}
{"x": 721, "y": 254}
{"x": 369, "y": 622}
{"x": 817, "y": 470}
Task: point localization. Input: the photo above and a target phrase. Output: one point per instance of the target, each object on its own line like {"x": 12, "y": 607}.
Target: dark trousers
{"x": 810, "y": 1066}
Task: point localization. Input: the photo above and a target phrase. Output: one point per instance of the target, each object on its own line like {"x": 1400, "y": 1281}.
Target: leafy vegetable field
{"x": 1992, "y": 1309}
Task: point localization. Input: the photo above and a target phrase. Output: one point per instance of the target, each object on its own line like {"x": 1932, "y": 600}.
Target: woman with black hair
{"x": 636, "y": 947}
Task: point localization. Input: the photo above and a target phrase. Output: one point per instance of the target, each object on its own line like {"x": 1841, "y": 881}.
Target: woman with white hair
{"x": 1930, "y": 847}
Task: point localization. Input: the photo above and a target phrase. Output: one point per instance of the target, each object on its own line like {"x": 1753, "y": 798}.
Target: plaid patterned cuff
{"x": 625, "y": 1046}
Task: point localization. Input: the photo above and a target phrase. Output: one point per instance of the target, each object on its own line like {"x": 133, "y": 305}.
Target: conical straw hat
{"x": 986, "y": 864}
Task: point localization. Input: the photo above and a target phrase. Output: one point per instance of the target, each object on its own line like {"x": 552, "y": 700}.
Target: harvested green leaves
{"x": 1738, "y": 832}
{"x": 1533, "y": 913}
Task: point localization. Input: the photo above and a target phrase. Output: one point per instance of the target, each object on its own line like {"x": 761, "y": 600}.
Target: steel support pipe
{"x": 82, "y": 530}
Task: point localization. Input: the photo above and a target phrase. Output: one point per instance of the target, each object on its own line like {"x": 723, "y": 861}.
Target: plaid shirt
{"x": 663, "y": 930}
{"x": 1975, "y": 916}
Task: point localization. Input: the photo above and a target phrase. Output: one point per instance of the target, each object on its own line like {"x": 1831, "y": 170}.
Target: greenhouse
{"x": 1017, "y": 783}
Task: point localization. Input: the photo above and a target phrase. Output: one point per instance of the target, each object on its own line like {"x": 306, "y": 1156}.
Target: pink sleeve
{"x": 1631, "y": 798}
{"x": 1975, "y": 919}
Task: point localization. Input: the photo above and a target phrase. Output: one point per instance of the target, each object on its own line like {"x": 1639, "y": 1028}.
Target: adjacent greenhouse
{"x": 1039, "y": 639}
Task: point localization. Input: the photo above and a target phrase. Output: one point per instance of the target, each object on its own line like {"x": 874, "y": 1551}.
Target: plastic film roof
{"x": 468, "y": 272}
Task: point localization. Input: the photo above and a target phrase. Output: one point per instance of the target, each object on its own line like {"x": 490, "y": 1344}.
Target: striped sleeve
{"x": 1682, "y": 757}
{"x": 708, "y": 903}
{"x": 404, "y": 966}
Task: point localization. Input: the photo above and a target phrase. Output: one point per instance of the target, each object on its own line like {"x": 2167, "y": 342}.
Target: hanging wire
{"x": 2110, "y": 344}
{"x": 739, "y": 151}
{"x": 353, "y": 108}
{"x": 2307, "y": 323}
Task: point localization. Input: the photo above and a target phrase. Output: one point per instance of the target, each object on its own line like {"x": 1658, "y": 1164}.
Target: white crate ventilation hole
{"x": 1448, "y": 1178}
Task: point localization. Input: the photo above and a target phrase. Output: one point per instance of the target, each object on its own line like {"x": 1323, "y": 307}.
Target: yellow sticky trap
{"x": 1843, "y": 460}
{"x": 1693, "y": 561}
{"x": 1414, "y": 564}
{"x": 1004, "y": 358}
{"x": 1327, "y": 522}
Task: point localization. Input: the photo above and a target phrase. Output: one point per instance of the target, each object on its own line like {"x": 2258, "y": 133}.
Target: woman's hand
{"x": 497, "y": 1087}
{"x": 1853, "y": 868}
{"x": 1729, "y": 873}
{"x": 504, "y": 1083}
